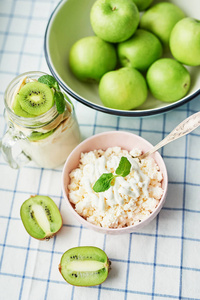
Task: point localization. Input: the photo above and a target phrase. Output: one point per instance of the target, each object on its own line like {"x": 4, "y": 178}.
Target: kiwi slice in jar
{"x": 37, "y": 136}
{"x": 41, "y": 217}
{"x": 35, "y": 98}
{"x": 18, "y": 109}
{"x": 84, "y": 266}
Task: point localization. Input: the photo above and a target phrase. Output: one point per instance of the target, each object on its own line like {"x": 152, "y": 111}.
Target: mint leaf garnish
{"x": 124, "y": 167}
{"x": 103, "y": 183}
{"x": 50, "y": 81}
{"x": 106, "y": 180}
{"x": 58, "y": 95}
{"x": 60, "y": 102}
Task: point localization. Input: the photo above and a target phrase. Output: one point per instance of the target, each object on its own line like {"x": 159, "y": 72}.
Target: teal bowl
{"x": 69, "y": 22}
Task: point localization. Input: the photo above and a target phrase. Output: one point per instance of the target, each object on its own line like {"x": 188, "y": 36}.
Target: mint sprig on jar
{"x": 58, "y": 95}
{"x": 41, "y": 119}
{"x": 34, "y": 98}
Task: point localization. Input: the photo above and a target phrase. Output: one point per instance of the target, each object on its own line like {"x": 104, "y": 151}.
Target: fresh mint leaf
{"x": 60, "y": 102}
{"x": 124, "y": 167}
{"x": 106, "y": 180}
{"x": 103, "y": 183}
{"x": 58, "y": 96}
{"x": 50, "y": 81}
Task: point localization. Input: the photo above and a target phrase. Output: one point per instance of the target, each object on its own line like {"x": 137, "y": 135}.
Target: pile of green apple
{"x": 125, "y": 55}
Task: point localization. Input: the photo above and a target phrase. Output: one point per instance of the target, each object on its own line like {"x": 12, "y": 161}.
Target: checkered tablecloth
{"x": 161, "y": 261}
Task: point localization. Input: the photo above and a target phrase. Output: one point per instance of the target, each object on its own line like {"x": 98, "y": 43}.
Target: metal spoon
{"x": 182, "y": 129}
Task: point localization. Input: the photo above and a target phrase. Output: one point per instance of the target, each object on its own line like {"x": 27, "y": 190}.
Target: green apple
{"x": 123, "y": 89}
{"x": 91, "y": 57}
{"x": 160, "y": 20}
{"x": 168, "y": 80}
{"x": 142, "y": 4}
{"x": 140, "y": 51}
{"x": 114, "y": 20}
{"x": 185, "y": 41}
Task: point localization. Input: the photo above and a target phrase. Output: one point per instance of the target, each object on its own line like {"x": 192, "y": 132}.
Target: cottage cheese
{"x": 131, "y": 199}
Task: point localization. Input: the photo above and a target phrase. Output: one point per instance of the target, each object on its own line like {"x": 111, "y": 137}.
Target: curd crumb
{"x": 132, "y": 198}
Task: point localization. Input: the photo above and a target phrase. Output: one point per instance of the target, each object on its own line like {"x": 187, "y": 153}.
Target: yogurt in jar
{"x": 53, "y": 150}
{"x": 46, "y": 139}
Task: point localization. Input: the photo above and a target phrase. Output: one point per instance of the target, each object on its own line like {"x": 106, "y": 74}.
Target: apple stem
{"x": 114, "y": 8}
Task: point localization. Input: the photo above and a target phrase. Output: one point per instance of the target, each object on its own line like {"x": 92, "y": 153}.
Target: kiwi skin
{"x": 24, "y": 212}
{"x": 87, "y": 253}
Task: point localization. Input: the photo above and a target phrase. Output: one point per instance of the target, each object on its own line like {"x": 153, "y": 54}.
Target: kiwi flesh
{"x": 36, "y": 135}
{"x": 84, "y": 266}
{"x": 18, "y": 109}
{"x": 35, "y": 98}
{"x": 41, "y": 217}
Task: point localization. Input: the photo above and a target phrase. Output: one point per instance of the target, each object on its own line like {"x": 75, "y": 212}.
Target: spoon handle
{"x": 182, "y": 129}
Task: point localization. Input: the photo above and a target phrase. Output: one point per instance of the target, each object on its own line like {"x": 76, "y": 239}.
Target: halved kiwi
{"x": 84, "y": 266}
{"x": 35, "y": 98}
{"x": 41, "y": 217}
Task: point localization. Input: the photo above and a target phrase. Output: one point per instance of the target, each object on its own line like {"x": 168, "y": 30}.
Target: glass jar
{"x": 47, "y": 139}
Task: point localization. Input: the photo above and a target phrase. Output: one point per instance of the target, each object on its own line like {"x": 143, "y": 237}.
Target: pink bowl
{"x": 104, "y": 140}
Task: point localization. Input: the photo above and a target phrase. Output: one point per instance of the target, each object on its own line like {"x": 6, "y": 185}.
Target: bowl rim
{"x": 104, "y": 109}
{"x": 128, "y": 229}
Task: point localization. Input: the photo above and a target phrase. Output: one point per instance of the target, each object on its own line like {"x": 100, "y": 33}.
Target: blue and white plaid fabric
{"x": 162, "y": 261}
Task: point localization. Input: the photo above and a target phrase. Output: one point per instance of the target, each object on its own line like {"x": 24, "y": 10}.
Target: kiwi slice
{"x": 41, "y": 217}
{"x": 36, "y": 135}
{"x": 84, "y": 266}
{"x": 36, "y": 98}
{"x": 18, "y": 109}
